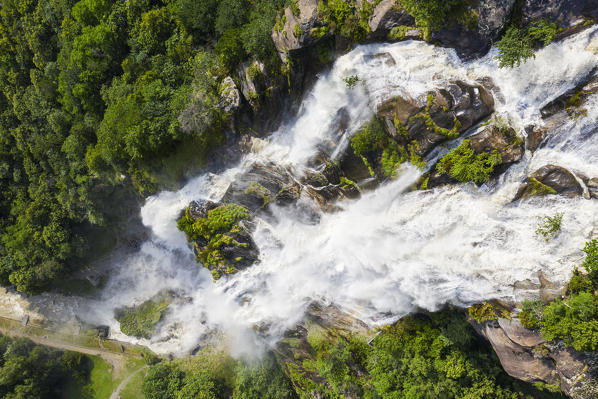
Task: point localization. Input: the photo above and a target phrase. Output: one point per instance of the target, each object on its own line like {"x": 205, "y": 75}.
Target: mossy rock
{"x": 221, "y": 238}
{"x": 140, "y": 321}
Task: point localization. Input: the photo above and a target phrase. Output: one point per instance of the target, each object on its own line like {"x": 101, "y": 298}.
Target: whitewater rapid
{"x": 391, "y": 251}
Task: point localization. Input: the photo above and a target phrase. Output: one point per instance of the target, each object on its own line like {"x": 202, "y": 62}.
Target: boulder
{"x": 525, "y": 355}
{"x": 225, "y": 252}
{"x": 572, "y": 100}
{"x": 387, "y": 15}
{"x": 261, "y": 184}
{"x": 230, "y": 98}
{"x": 535, "y": 137}
{"x": 492, "y": 19}
{"x": 451, "y": 110}
{"x": 592, "y": 185}
{"x": 550, "y": 179}
{"x": 504, "y": 140}
{"x": 566, "y": 13}
{"x": 285, "y": 33}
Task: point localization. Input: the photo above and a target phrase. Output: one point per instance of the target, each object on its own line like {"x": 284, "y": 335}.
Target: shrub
{"x": 591, "y": 261}
{"x": 531, "y": 313}
{"x": 482, "y": 312}
{"x": 579, "y": 283}
{"x": 550, "y": 226}
{"x": 516, "y": 46}
{"x": 432, "y": 15}
{"x": 574, "y": 322}
{"x": 370, "y": 138}
{"x": 465, "y": 165}
{"x": 351, "y": 81}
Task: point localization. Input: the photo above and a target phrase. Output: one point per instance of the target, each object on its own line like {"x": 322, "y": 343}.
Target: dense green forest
{"x": 423, "y": 356}
{"x": 29, "y": 371}
{"x": 101, "y": 102}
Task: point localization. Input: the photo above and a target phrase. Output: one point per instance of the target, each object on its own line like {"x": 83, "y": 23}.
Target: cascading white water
{"x": 381, "y": 256}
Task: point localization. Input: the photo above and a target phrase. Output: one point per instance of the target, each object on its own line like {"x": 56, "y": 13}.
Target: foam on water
{"x": 389, "y": 252}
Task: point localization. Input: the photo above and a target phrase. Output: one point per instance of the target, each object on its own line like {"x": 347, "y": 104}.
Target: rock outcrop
{"x": 566, "y": 13}
{"x": 550, "y": 180}
{"x": 441, "y": 115}
{"x": 525, "y": 355}
{"x": 387, "y": 15}
{"x": 298, "y": 28}
{"x": 492, "y": 139}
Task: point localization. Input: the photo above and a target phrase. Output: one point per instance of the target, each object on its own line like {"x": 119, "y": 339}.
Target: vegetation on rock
{"x": 464, "y": 165}
{"x": 139, "y": 321}
{"x": 517, "y": 45}
{"x": 572, "y": 320}
{"x": 215, "y": 231}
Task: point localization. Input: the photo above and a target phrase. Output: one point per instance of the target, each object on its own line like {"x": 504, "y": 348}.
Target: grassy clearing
{"x": 134, "y": 389}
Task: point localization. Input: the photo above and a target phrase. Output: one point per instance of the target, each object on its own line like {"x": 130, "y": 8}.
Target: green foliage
{"x": 531, "y": 314}
{"x": 573, "y": 321}
{"x": 215, "y": 230}
{"x": 580, "y": 282}
{"x": 590, "y": 264}
{"x": 32, "y": 371}
{"x": 465, "y": 165}
{"x": 550, "y": 226}
{"x": 483, "y": 312}
{"x": 351, "y": 81}
{"x": 99, "y": 96}
{"x": 370, "y": 138}
{"x": 421, "y": 357}
{"x": 345, "y": 18}
{"x": 217, "y": 375}
{"x": 433, "y": 15}
{"x": 139, "y": 321}
{"x": 516, "y": 46}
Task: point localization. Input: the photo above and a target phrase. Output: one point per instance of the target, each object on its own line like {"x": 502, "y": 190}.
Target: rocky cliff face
{"x": 525, "y": 355}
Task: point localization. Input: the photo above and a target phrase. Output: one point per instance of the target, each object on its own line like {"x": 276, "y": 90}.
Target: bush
{"x": 433, "y": 15}
{"x": 531, "y": 314}
{"x": 516, "y": 46}
{"x": 465, "y": 165}
{"x": 574, "y": 322}
{"x": 550, "y": 226}
{"x": 482, "y": 312}
{"x": 590, "y": 264}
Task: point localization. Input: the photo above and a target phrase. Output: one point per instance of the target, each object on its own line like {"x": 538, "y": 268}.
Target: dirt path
{"x": 116, "y": 393}
{"x": 115, "y": 359}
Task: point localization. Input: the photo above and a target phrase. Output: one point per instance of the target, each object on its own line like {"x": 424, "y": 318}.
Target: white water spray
{"x": 389, "y": 252}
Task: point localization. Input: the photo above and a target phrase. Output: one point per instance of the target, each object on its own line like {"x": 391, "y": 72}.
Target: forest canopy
{"x": 98, "y": 100}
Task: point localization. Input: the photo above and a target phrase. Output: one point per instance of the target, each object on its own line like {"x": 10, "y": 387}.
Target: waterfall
{"x": 391, "y": 251}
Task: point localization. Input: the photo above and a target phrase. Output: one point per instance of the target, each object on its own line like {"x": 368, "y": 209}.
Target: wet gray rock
{"x": 535, "y": 137}
{"x": 503, "y": 140}
{"x": 572, "y": 100}
{"x": 550, "y": 179}
{"x": 457, "y": 102}
{"x": 492, "y": 19}
{"x": 565, "y": 12}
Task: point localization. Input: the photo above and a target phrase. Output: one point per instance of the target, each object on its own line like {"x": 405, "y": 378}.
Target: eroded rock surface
{"x": 525, "y": 355}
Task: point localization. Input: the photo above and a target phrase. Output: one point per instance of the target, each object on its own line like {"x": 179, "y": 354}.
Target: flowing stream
{"x": 391, "y": 251}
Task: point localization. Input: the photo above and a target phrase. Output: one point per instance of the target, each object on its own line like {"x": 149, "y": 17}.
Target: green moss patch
{"x": 215, "y": 231}
{"x": 464, "y": 165}
{"x": 139, "y": 321}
